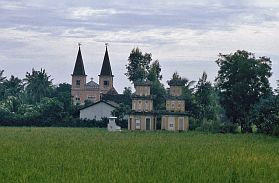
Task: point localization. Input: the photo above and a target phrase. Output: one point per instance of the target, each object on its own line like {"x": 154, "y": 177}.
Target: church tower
{"x": 78, "y": 80}
{"x": 106, "y": 77}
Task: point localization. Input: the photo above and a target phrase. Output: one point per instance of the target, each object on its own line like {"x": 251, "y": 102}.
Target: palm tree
{"x": 2, "y": 78}
{"x": 177, "y": 79}
{"x": 2, "y": 89}
{"x": 13, "y": 87}
{"x": 38, "y": 85}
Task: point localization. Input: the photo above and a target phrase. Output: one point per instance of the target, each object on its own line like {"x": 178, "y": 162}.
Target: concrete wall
{"x": 166, "y": 120}
{"x": 142, "y": 118}
{"x": 82, "y": 94}
{"x": 142, "y": 105}
{"x": 175, "y": 90}
{"x": 142, "y": 90}
{"x": 97, "y": 111}
{"x": 104, "y": 89}
{"x": 175, "y": 105}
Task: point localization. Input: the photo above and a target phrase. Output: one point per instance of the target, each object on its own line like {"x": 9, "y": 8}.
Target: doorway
{"x": 147, "y": 123}
{"x": 181, "y": 123}
{"x": 171, "y": 123}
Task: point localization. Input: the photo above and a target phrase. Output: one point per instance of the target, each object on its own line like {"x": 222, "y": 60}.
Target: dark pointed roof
{"x": 106, "y": 68}
{"x": 112, "y": 91}
{"x": 79, "y": 67}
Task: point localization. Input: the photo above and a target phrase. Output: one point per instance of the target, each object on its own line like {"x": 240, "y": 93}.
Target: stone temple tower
{"x": 106, "y": 77}
{"x": 78, "y": 79}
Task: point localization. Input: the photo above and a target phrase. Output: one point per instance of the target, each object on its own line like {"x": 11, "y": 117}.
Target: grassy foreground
{"x": 95, "y": 155}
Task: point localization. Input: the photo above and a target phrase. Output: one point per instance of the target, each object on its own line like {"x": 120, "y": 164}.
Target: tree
{"x": 121, "y": 111}
{"x": 154, "y": 72}
{"x": 13, "y": 87}
{"x": 63, "y": 93}
{"x": 2, "y": 90}
{"x": 51, "y": 110}
{"x": 11, "y": 103}
{"x": 140, "y": 69}
{"x": 157, "y": 88}
{"x": 127, "y": 91}
{"x": 138, "y": 65}
{"x": 177, "y": 79}
{"x": 277, "y": 90}
{"x": 242, "y": 80}
{"x": 38, "y": 85}
{"x": 206, "y": 99}
{"x": 159, "y": 93}
{"x": 2, "y": 78}
{"x": 265, "y": 114}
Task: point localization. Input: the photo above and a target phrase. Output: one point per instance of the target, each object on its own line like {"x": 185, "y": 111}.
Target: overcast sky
{"x": 185, "y": 36}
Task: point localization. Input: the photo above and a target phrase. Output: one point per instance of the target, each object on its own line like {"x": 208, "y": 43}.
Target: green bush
{"x": 228, "y": 127}
{"x": 193, "y": 123}
{"x": 265, "y": 115}
{"x": 276, "y": 131}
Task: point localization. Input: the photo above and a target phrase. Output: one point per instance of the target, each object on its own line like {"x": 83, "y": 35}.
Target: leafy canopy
{"x": 242, "y": 80}
{"x": 38, "y": 85}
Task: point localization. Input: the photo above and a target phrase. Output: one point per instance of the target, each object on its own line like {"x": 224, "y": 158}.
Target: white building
{"x": 98, "y": 110}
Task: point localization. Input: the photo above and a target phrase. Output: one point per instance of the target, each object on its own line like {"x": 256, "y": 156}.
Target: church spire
{"x": 106, "y": 68}
{"x": 79, "y": 67}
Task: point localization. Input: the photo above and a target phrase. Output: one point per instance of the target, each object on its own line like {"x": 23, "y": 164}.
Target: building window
{"x": 148, "y": 123}
{"x": 139, "y": 105}
{"x": 171, "y": 123}
{"x": 106, "y": 83}
{"x": 130, "y": 124}
{"x": 173, "y": 105}
{"x": 137, "y": 124}
{"x": 181, "y": 123}
{"x": 146, "y": 106}
{"x": 78, "y": 82}
{"x": 77, "y": 99}
{"x": 163, "y": 123}
{"x": 168, "y": 105}
{"x": 140, "y": 91}
{"x": 179, "y": 106}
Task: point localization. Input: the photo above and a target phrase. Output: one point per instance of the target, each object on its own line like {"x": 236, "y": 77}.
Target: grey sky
{"x": 184, "y": 36}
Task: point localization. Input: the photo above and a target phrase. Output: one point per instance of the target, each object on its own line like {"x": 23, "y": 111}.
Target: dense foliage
{"x": 242, "y": 80}
{"x": 35, "y": 101}
{"x": 141, "y": 68}
{"x": 241, "y": 97}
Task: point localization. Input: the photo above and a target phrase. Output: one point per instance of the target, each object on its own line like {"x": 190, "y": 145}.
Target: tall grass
{"x": 95, "y": 155}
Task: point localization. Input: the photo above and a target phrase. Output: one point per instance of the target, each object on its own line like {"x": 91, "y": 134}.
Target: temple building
{"x": 142, "y": 116}
{"x": 174, "y": 117}
{"x": 82, "y": 90}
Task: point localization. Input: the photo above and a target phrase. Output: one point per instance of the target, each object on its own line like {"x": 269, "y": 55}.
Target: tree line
{"x": 240, "y": 98}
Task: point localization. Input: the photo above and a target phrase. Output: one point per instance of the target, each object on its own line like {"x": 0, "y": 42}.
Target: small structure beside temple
{"x": 112, "y": 127}
{"x": 174, "y": 117}
{"x": 142, "y": 116}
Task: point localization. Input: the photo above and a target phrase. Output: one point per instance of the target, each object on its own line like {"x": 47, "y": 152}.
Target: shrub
{"x": 265, "y": 115}
{"x": 227, "y": 127}
{"x": 193, "y": 123}
{"x": 276, "y": 131}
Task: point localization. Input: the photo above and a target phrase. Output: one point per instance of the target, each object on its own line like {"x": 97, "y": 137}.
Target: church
{"x": 82, "y": 90}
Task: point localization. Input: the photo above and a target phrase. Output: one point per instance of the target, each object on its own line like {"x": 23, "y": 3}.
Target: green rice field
{"x": 95, "y": 155}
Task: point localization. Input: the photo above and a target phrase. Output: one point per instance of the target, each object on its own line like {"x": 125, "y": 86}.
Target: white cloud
{"x": 10, "y": 5}
{"x": 86, "y": 12}
{"x": 187, "y": 35}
